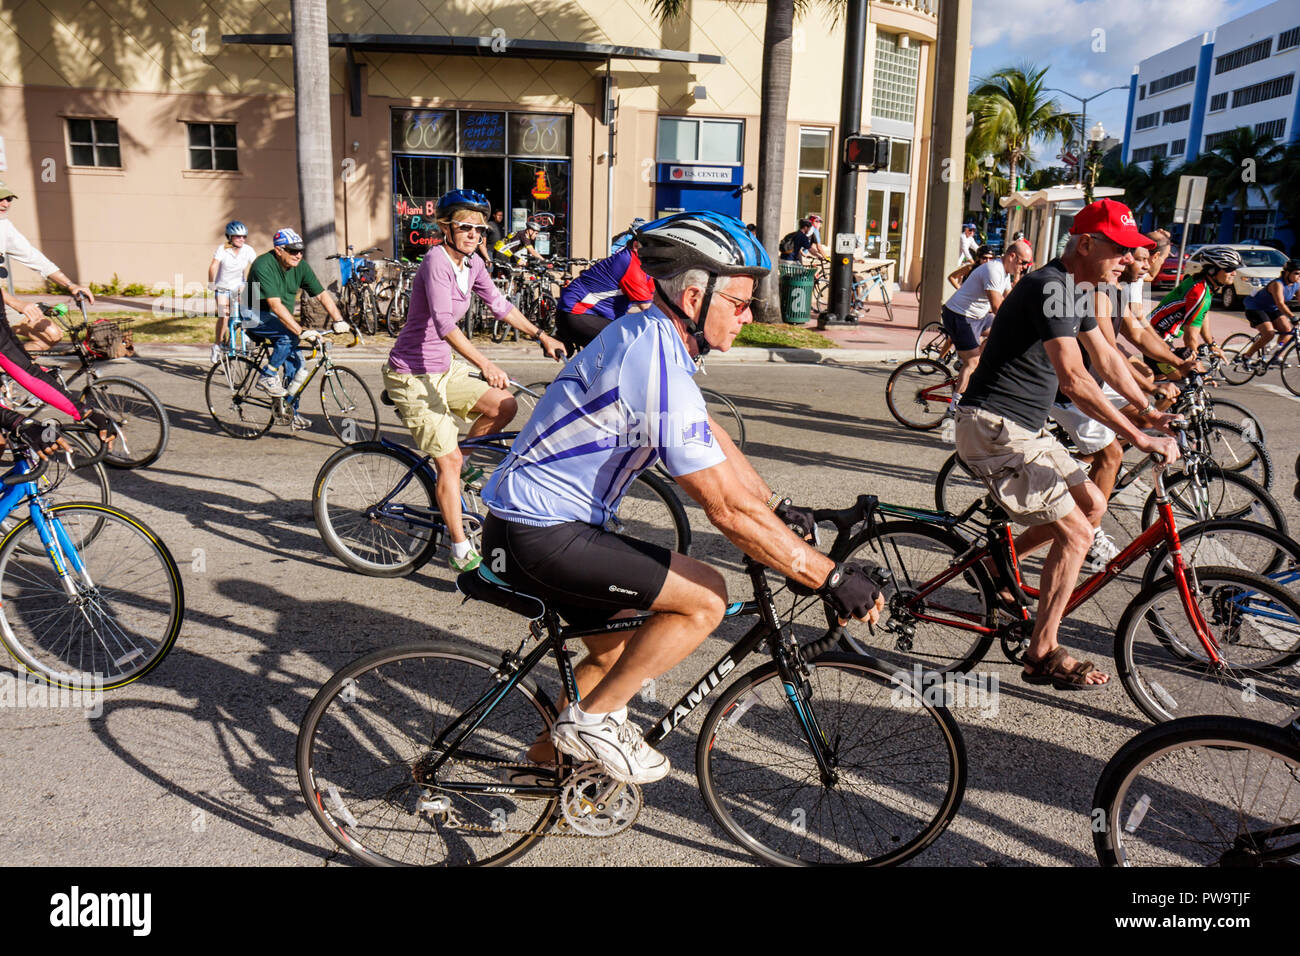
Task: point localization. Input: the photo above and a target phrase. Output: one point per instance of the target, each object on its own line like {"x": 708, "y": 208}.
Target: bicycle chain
{"x": 477, "y": 828}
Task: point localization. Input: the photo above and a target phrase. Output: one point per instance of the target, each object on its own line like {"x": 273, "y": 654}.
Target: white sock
{"x": 460, "y": 549}
{"x": 580, "y": 716}
{"x": 956, "y": 399}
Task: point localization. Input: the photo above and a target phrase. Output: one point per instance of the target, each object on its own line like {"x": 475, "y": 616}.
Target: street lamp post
{"x": 989, "y": 163}
{"x": 1095, "y": 136}
{"x": 1085, "y": 100}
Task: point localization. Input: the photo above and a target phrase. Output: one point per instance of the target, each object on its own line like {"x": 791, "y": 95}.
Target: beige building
{"x": 134, "y": 130}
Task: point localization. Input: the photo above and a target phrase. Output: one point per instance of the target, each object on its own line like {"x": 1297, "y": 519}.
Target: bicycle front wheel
{"x": 931, "y": 342}
{"x": 140, "y": 415}
{"x": 1233, "y": 448}
{"x": 1255, "y": 625}
{"x": 366, "y": 521}
{"x": 368, "y": 737}
{"x": 351, "y": 412}
{"x": 1231, "y": 544}
{"x": 125, "y": 607}
{"x": 1290, "y": 366}
{"x": 918, "y": 394}
{"x": 724, "y": 412}
{"x": 649, "y": 511}
{"x": 899, "y": 767}
{"x": 60, "y": 484}
{"x": 1201, "y": 791}
{"x": 1236, "y": 371}
{"x": 1214, "y": 493}
{"x": 239, "y": 408}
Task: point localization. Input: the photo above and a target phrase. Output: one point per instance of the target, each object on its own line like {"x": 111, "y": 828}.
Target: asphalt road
{"x": 194, "y": 763}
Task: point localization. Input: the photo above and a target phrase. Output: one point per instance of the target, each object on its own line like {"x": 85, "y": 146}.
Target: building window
{"x": 1181, "y": 78}
{"x": 1275, "y": 128}
{"x": 1213, "y": 140}
{"x": 1147, "y": 121}
{"x": 1149, "y": 152}
{"x": 1286, "y": 41}
{"x": 1218, "y": 102}
{"x": 900, "y": 156}
{"x": 212, "y": 146}
{"x": 1178, "y": 147}
{"x": 1142, "y": 92}
{"x": 893, "y": 92}
{"x": 1179, "y": 114}
{"x": 1268, "y": 90}
{"x": 814, "y": 173}
{"x": 684, "y": 139}
{"x": 1243, "y": 57}
{"x": 93, "y": 142}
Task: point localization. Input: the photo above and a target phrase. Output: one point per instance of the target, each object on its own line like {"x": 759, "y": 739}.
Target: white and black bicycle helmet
{"x": 1220, "y": 259}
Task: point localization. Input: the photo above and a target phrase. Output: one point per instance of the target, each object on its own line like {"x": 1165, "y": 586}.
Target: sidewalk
{"x": 876, "y": 333}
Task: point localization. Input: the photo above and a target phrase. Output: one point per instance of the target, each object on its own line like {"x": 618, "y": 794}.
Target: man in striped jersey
{"x": 626, "y": 402}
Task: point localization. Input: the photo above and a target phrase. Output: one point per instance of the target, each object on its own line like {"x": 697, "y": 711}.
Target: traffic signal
{"x": 866, "y": 152}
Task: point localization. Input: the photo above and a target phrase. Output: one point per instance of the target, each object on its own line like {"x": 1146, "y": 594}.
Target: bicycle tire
{"x": 499, "y": 330}
{"x": 99, "y": 644}
{"x": 357, "y": 762}
{"x": 1290, "y": 369}
{"x": 1230, "y": 448}
{"x": 368, "y": 315}
{"x": 352, "y": 480}
{"x": 58, "y": 484}
{"x": 140, "y": 415}
{"x": 915, "y": 553}
{"x": 1233, "y": 371}
{"x": 930, "y": 341}
{"x": 231, "y": 387}
{"x": 1175, "y": 795}
{"x": 723, "y": 411}
{"x": 1256, "y": 624}
{"x": 1248, "y": 501}
{"x": 641, "y": 514}
{"x": 348, "y": 406}
{"x": 1231, "y": 543}
{"x": 956, "y": 487}
{"x": 1249, "y": 420}
{"x": 919, "y": 393}
{"x": 397, "y": 309}
{"x": 738, "y": 764}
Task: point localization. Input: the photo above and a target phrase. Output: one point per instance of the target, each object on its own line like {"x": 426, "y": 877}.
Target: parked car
{"x": 1261, "y": 266}
{"x": 1168, "y": 276}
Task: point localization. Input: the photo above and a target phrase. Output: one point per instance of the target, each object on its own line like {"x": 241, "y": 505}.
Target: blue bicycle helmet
{"x": 719, "y": 245}
{"x": 236, "y": 228}
{"x": 463, "y": 199}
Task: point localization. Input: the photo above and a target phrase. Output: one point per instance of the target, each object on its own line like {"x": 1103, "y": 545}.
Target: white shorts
{"x": 1089, "y": 435}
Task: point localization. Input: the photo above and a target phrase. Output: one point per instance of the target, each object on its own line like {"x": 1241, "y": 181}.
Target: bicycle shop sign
{"x": 417, "y": 220}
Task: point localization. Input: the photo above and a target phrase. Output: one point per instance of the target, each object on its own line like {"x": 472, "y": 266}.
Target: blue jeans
{"x": 265, "y": 324}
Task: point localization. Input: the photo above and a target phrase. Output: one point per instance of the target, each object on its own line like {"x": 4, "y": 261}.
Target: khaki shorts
{"x": 1028, "y": 473}
{"x": 430, "y": 404}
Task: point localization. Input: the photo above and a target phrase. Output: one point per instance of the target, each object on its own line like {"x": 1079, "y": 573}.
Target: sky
{"x": 1063, "y": 34}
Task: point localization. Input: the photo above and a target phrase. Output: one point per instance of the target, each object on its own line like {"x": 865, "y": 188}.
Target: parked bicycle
{"x": 357, "y": 279}
{"x": 242, "y": 410}
{"x": 415, "y": 754}
{"x": 140, "y": 416}
{"x": 864, "y": 284}
{"x": 89, "y": 596}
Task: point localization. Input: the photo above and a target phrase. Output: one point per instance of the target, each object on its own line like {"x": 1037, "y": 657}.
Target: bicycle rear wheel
{"x": 918, "y": 393}
{"x": 899, "y": 767}
{"x": 140, "y": 415}
{"x": 1235, "y": 371}
{"x": 931, "y": 342}
{"x": 1232, "y": 449}
{"x": 239, "y": 408}
{"x": 351, "y": 412}
{"x": 1245, "y": 545}
{"x": 368, "y": 735}
{"x": 1201, "y": 791}
{"x": 128, "y": 604}
{"x": 650, "y": 511}
{"x": 1256, "y": 625}
{"x": 724, "y": 412}
{"x": 389, "y": 541}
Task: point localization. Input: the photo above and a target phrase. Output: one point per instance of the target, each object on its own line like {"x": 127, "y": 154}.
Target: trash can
{"x": 795, "y": 283}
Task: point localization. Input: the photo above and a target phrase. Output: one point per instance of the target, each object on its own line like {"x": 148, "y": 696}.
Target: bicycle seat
{"x": 482, "y": 585}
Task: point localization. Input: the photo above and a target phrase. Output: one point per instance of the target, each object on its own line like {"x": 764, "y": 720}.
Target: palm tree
{"x": 1284, "y": 177}
{"x": 1011, "y": 109}
{"x": 1241, "y": 152}
{"x": 1162, "y": 188}
{"x": 311, "y": 92}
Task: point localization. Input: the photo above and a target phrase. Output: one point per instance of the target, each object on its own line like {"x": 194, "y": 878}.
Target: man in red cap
{"x": 1032, "y": 349}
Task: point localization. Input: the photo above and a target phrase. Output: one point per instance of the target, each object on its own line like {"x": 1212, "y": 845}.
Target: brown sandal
{"x": 1051, "y": 670}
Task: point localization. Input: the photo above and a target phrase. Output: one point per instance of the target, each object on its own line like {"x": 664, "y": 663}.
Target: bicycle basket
{"x": 110, "y": 339}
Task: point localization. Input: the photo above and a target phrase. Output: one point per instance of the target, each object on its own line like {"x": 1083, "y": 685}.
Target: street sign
{"x": 1192, "y": 216}
{"x": 1191, "y": 195}
{"x": 845, "y": 243}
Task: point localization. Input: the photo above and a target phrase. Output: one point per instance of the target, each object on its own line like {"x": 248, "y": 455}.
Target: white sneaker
{"x": 271, "y": 385}
{"x": 217, "y": 352}
{"x": 300, "y": 423}
{"x": 619, "y": 748}
{"x": 1102, "y": 552}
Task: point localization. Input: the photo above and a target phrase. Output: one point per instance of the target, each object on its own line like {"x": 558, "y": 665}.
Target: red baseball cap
{"x": 1112, "y": 219}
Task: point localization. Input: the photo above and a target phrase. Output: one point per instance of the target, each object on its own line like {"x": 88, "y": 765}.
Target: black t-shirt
{"x": 1015, "y": 378}
{"x": 802, "y": 243}
{"x": 494, "y": 234}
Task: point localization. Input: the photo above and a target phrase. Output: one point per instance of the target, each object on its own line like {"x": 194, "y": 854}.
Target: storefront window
{"x": 678, "y": 140}
{"x": 482, "y": 132}
{"x": 540, "y": 185}
{"x": 814, "y": 149}
{"x": 418, "y": 183}
{"x": 539, "y": 134}
{"x": 900, "y": 156}
{"x": 719, "y": 142}
{"x": 814, "y": 175}
{"x": 424, "y": 131}
{"x": 689, "y": 140}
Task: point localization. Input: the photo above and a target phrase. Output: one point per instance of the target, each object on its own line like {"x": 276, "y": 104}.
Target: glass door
{"x": 886, "y": 222}
{"x": 418, "y": 183}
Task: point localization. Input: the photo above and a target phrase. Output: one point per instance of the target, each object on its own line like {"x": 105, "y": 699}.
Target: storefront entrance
{"x": 886, "y": 219}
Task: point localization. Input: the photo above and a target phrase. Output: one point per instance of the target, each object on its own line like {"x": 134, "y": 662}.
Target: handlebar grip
{"x": 80, "y": 461}
{"x": 20, "y": 478}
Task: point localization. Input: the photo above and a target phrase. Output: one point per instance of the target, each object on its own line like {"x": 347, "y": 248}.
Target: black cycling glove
{"x": 38, "y": 436}
{"x": 799, "y": 520}
{"x": 850, "y": 590}
{"x": 100, "y": 420}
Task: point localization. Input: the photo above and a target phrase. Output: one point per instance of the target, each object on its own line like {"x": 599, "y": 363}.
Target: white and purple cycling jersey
{"x": 625, "y": 402}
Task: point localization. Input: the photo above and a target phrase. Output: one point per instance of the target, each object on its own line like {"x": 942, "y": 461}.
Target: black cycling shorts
{"x": 959, "y": 330}
{"x": 575, "y": 331}
{"x": 584, "y": 573}
{"x": 1258, "y": 317}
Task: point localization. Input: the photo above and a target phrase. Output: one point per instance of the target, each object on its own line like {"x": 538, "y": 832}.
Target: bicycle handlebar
{"x": 21, "y": 478}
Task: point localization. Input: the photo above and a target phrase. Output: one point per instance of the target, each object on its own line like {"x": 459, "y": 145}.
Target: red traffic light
{"x": 866, "y": 152}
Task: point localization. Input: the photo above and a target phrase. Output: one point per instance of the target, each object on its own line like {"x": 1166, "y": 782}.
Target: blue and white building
{"x": 1183, "y": 100}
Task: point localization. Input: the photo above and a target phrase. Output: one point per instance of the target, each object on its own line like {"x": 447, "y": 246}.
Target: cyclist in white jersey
{"x": 625, "y": 402}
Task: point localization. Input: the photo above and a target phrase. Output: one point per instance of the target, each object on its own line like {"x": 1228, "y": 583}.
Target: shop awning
{"x": 483, "y": 46}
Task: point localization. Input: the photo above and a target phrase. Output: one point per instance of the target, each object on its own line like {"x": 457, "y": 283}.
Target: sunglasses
{"x": 741, "y": 304}
{"x": 293, "y": 250}
{"x": 469, "y": 227}
{"x": 1123, "y": 250}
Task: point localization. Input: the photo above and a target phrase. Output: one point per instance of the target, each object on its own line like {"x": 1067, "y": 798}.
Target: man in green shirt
{"x": 274, "y": 280}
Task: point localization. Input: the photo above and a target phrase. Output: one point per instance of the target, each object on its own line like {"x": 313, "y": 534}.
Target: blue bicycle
{"x": 89, "y": 596}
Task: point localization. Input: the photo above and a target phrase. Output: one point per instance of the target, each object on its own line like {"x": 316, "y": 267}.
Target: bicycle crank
{"x": 595, "y": 804}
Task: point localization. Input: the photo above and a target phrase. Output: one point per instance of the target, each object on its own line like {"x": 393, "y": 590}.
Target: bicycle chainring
{"x": 595, "y": 804}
